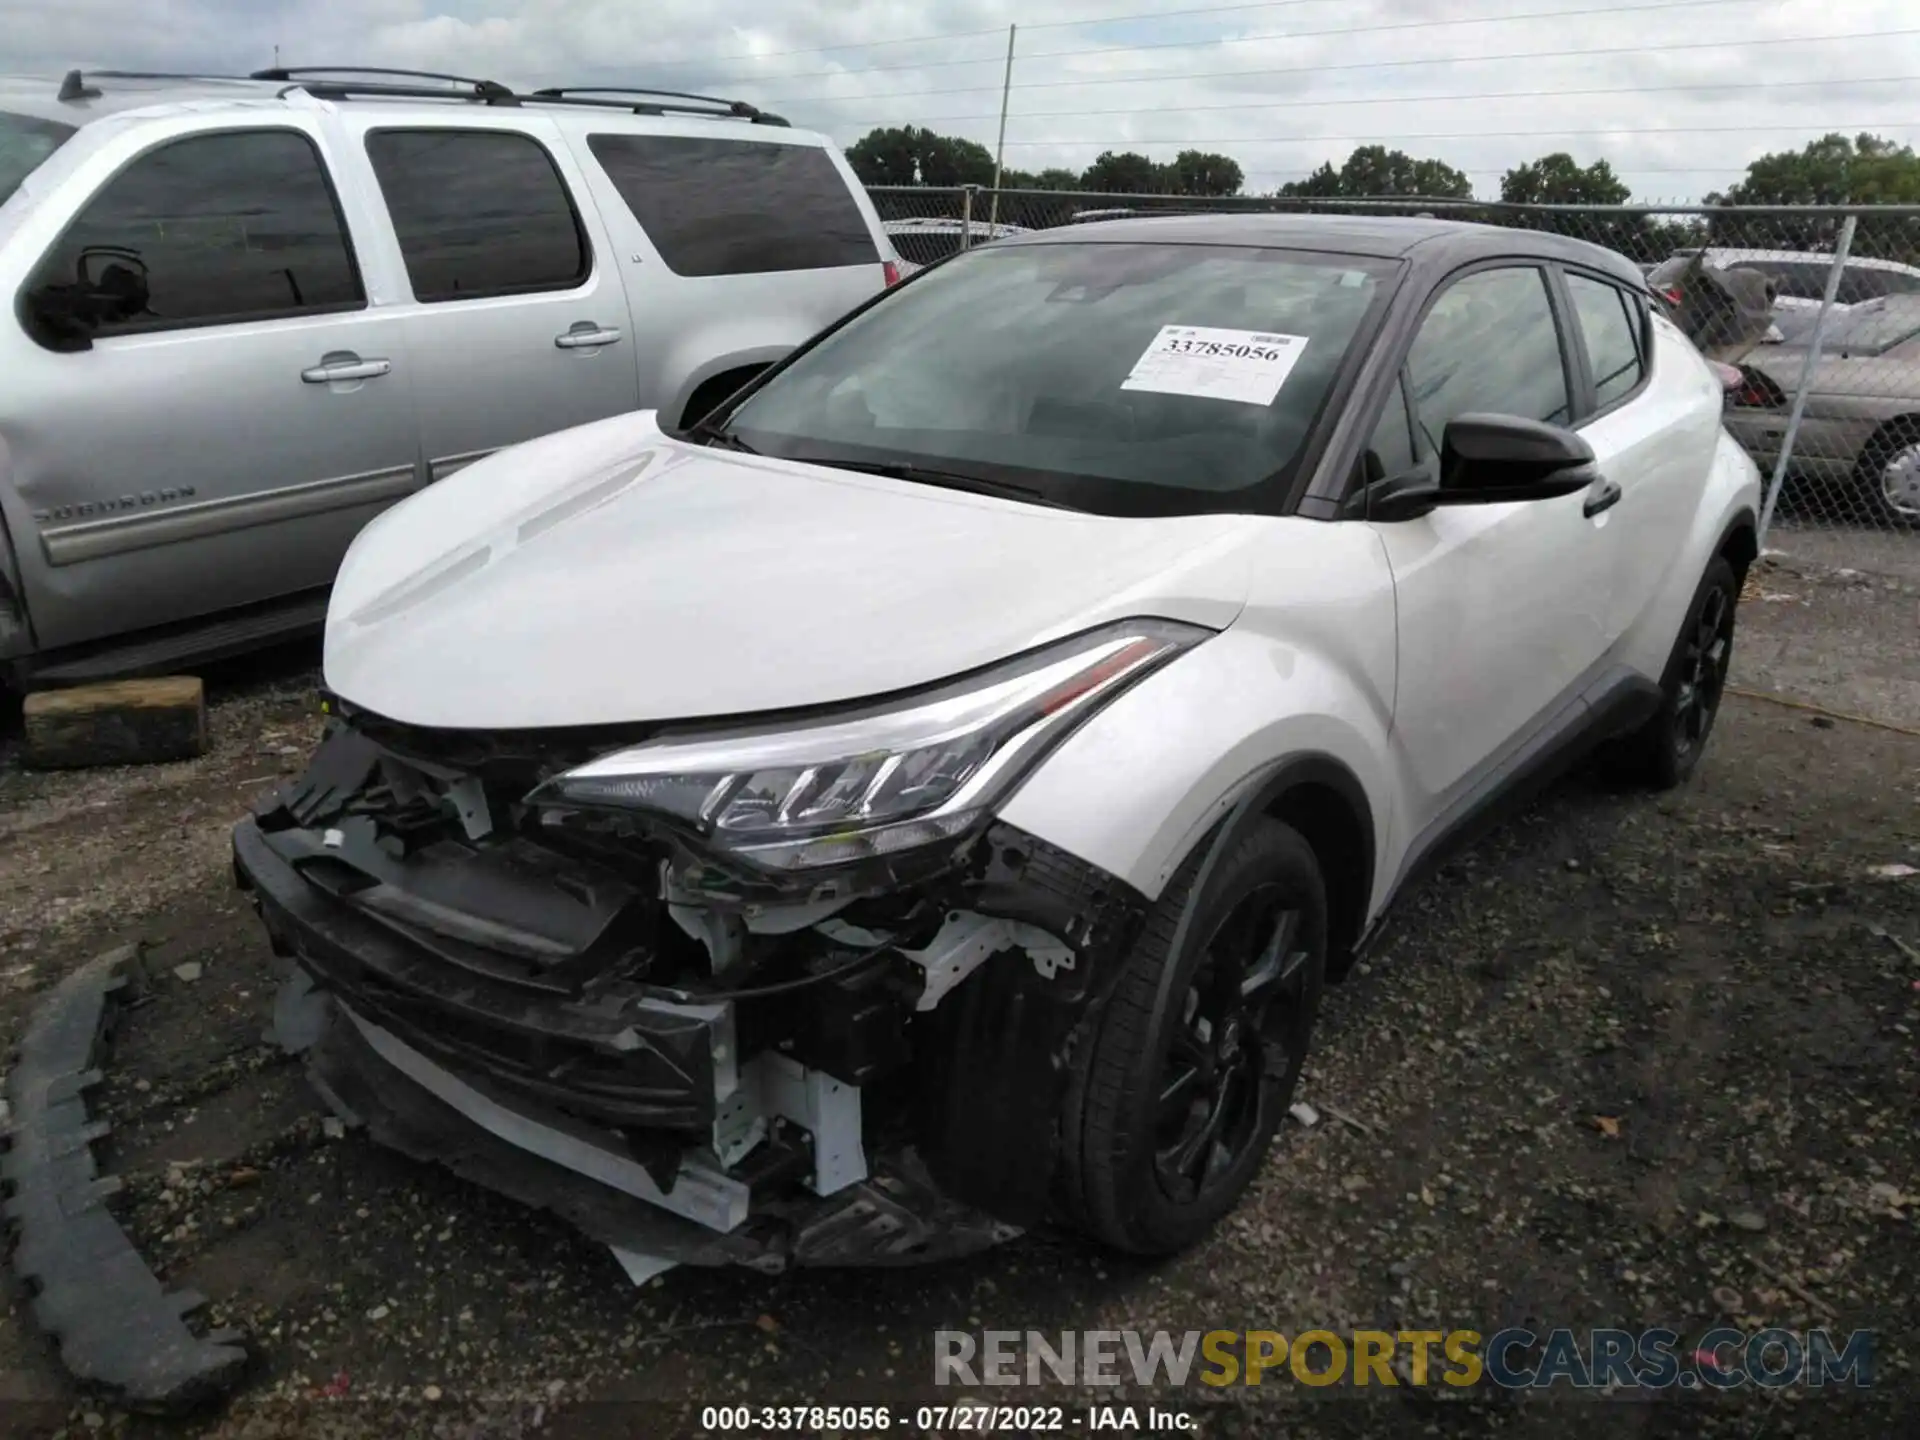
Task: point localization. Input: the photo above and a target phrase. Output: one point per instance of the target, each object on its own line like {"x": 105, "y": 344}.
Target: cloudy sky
{"x": 1677, "y": 95}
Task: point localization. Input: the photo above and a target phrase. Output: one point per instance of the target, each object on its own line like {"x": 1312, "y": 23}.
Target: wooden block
{"x": 121, "y": 722}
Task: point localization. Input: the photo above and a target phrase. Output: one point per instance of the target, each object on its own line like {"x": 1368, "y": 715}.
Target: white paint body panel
{"x": 715, "y": 584}
{"x": 609, "y": 573}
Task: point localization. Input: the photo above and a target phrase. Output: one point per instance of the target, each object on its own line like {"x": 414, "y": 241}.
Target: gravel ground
{"x": 1629, "y": 1062}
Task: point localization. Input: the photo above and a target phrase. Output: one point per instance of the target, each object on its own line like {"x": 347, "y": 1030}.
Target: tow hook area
{"x": 115, "y": 1326}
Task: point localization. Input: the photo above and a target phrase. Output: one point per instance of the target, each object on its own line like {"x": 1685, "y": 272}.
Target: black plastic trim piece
{"x": 115, "y": 1326}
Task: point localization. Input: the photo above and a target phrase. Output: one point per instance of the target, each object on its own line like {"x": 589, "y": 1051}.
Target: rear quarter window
{"x": 736, "y": 207}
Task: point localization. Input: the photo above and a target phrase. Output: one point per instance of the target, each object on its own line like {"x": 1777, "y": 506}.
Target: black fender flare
{"x": 1263, "y": 798}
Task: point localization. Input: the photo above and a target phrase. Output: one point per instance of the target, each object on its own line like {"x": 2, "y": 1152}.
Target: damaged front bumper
{"x": 691, "y": 1071}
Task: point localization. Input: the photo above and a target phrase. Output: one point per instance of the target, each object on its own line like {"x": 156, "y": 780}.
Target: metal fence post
{"x": 1806, "y": 376}
{"x": 966, "y": 216}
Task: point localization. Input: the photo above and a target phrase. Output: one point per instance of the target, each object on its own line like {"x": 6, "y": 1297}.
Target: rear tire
{"x": 1663, "y": 752}
{"x": 1192, "y": 1063}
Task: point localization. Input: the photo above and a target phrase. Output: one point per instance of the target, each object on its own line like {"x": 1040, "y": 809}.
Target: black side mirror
{"x": 109, "y": 287}
{"x": 1494, "y": 459}
{"x": 1484, "y": 460}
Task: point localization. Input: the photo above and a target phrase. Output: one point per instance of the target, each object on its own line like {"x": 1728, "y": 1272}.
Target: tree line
{"x": 1833, "y": 170}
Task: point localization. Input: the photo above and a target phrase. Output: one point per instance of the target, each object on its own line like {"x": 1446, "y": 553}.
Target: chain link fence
{"x": 1829, "y": 399}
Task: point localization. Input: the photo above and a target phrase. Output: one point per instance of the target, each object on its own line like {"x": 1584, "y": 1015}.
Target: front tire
{"x": 1194, "y": 1060}
{"x": 1664, "y": 751}
{"x": 1889, "y": 475}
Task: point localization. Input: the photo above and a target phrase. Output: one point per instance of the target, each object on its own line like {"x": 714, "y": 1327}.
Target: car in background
{"x": 923, "y": 801}
{"x": 922, "y": 240}
{"x": 1859, "y": 438}
{"x": 247, "y": 314}
{"x": 1800, "y": 276}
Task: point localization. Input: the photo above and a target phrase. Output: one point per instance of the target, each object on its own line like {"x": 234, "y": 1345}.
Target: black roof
{"x": 1426, "y": 241}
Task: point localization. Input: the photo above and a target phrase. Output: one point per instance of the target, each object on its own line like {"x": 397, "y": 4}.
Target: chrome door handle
{"x": 586, "y": 336}
{"x": 330, "y": 370}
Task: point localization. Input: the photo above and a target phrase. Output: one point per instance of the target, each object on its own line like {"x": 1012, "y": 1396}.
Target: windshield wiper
{"x": 943, "y": 479}
{"x": 724, "y": 439}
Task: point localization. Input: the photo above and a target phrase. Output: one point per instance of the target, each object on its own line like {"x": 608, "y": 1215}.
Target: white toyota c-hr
{"x": 925, "y": 800}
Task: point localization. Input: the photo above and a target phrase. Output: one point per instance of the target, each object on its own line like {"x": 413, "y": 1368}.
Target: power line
{"x": 1401, "y": 136}
{"x": 1424, "y": 99}
{"x": 1161, "y": 77}
{"x": 996, "y": 30}
{"x": 1340, "y": 31}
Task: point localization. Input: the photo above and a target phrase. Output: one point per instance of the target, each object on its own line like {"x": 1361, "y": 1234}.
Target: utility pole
{"x": 276, "y": 57}
{"x": 1000, "y": 146}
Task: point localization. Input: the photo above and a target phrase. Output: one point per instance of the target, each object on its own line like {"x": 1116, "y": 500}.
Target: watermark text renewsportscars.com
{"x": 1513, "y": 1358}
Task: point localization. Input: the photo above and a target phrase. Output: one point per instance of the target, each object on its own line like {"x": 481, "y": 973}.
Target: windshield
{"x": 1117, "y": 378}
{"x": 24, "y": 143}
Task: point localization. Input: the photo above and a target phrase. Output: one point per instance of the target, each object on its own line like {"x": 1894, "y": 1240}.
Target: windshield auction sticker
{"x": 1245, "y": 365}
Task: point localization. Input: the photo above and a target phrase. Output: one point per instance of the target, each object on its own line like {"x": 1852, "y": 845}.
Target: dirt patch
{"x": 1707, "y": 973}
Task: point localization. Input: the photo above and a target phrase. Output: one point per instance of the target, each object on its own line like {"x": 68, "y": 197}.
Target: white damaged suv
{"x": 925, "y": 800}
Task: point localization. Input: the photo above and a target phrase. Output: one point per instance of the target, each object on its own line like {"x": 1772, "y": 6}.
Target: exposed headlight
{"x": 890, "y": 777}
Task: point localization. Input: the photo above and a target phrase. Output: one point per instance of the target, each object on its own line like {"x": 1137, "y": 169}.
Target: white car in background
{"x": 1800, "y": 276}
{"x": 920, "y": 240}
{"x": 924, "y": 801}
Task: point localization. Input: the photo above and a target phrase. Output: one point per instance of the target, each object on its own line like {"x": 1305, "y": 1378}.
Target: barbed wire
{"x": 1471, "y": 95}
{"x": 1162, "y": 77}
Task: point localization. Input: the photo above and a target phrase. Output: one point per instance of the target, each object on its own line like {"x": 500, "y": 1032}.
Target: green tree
{"x": 1833, "y": 170}
{"x": 1055, "y": 178}
{"x": 1373, "y": 171}
{"x": 1199, "y": 172}
{"x": 1121, "y": 173}
{"x": 1558, "y": 179}
{"x": 909, "y": 155}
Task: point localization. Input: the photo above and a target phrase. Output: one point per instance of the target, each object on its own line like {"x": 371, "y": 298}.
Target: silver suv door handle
{"x": 586, "y": 336}
{"x": 341, "y": 368}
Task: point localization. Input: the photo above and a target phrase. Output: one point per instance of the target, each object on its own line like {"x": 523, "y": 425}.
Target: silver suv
{"x": 248, "y": 314}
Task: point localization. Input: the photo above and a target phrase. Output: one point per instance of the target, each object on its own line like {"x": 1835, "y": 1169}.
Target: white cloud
{"x": 1677, "y": 98}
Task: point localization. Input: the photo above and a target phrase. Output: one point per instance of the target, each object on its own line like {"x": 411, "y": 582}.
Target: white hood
{"x": 608, "y": 574}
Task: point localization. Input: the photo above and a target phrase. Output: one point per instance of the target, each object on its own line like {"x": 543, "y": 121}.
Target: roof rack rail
{"x": 312, "y": 78}
{"x": 702, "y": 104}
{"x": 74, "y": 86}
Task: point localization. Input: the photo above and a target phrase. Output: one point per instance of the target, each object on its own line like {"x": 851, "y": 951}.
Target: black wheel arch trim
{"x": 1262, "y": 800}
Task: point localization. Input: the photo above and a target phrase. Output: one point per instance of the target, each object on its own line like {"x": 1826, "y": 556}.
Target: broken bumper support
{"x": 115, "y": 1325}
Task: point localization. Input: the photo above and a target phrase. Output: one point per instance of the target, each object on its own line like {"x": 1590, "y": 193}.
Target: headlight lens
{"x": 890, "y": 777}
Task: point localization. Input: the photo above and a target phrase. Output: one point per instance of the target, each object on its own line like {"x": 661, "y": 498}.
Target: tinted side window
{"x": 478, "y": 212}
{"x": 1611, "y": 335}
{"x": 234, "y": 226}
{"x": 1488, "y": 344}
{"x": 737, "y": 207}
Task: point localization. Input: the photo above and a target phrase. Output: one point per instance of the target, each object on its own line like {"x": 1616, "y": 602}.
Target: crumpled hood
{"x": 608, "y": 574}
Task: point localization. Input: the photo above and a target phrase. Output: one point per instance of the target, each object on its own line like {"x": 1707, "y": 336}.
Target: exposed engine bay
{"x": 693, "y": 1061}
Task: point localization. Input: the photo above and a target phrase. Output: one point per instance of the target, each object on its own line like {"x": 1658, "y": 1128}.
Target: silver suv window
{"x": 478, "y": 213}
{"x": 24, "y": 143}
{"x": 238, "y": 225}
{"x": 736, "y": 207}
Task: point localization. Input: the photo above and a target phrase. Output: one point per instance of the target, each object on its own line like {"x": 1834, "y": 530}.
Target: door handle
{"x": 1604, "y": 496}
{"x": 587, "y": 336}
{"x": 344, "y": 368}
